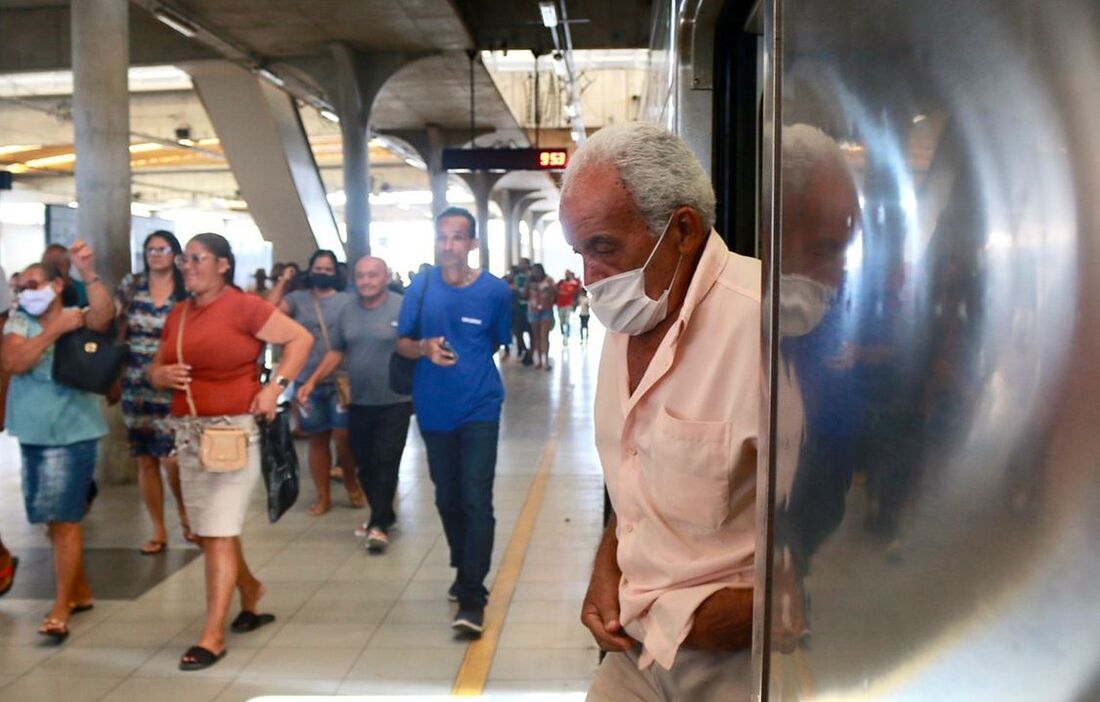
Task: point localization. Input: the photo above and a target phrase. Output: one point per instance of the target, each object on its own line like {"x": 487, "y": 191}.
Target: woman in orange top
{"x": 223, "y": 333}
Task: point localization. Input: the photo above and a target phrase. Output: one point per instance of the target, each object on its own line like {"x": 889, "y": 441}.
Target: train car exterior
{"x": 922, "y": 180}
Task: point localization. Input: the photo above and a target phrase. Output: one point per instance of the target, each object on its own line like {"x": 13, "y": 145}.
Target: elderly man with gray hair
{"x": 676, "y": 413}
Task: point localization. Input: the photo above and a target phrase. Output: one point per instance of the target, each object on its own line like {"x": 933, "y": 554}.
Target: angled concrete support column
{"x": 262, "y": 135}
{"x": 358, "y": 79}
{"x": 101, "y": 117}
{"x": 521, "y": 203}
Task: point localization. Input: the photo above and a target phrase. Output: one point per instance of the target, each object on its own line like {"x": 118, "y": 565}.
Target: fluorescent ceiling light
{"x": 549, "y": 13}
{"x": 176, "y": 22}
{"x": 18, "y": 148}
{"x": 142, "y": 148}
{"x": 330, "y": 116}
{"x": 271, "y": 77}
{"x": 48, "y": 161}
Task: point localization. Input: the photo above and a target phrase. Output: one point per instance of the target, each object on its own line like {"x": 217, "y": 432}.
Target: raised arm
{"x": 101, "y": 309}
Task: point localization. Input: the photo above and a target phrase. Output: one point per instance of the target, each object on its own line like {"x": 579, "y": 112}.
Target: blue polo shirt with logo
{"x": 476, "y": 320}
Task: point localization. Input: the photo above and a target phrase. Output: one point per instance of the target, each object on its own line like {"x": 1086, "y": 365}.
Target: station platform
{"x": 348, "y": 622}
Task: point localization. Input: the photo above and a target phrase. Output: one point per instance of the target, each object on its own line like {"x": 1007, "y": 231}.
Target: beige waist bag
{"x": 222, "y": 449}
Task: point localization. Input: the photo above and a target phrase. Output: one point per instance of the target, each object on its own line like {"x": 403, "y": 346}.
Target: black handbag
{"x": 403, "y": 369}
{"x": 89, "y": 360}
{"x": 279, "y": 464}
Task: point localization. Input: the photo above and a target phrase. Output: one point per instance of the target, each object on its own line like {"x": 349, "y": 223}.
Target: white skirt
{"x": 217, "y": 502}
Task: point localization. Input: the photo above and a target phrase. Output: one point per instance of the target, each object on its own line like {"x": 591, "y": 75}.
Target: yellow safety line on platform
{"x": 474, "y": 671}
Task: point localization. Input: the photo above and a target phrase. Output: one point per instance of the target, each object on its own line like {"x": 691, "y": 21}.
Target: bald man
{"x": 366, "y": 334}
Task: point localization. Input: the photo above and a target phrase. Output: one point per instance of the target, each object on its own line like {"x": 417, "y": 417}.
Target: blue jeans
{"x": 462, "y": 464}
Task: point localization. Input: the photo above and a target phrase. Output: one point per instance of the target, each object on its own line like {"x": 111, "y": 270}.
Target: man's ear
{"x": 688, "y": 226}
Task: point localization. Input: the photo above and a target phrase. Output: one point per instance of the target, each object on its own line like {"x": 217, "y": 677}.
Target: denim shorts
{"x": 57, "y": 481}
{"x": 323, "y": 411}
{"x": 543, "y": 316}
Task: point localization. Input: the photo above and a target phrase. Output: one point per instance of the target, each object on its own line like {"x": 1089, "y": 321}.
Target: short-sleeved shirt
{"x": 567, "y": 292}
{"x": 367, "y": 338}
{"x": 41, "y": 412}
{"x": 679, "y": 454}
{"x": 220, "y": 345}
{"x": 476, "y": 320}
{"x": 300, "y": 306}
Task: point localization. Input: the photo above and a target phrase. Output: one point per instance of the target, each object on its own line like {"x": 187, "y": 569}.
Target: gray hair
{"x": 656, "y": 168}
{"x": 806, "y": 149}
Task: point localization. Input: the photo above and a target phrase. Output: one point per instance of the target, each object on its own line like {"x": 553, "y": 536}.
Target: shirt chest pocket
{"x": 689, "y": 472}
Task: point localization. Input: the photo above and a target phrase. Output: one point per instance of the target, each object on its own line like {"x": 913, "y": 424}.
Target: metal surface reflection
{"x": 936, "y": 490}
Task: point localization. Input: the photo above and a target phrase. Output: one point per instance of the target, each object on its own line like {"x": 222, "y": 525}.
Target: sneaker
{"x": 363, "y": 530}
{"x": 452, "y": 592}
{"x": 377, "y": 540}
{"x": 470, "y": 621}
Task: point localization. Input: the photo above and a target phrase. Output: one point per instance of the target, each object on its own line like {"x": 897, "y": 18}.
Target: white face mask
{"x": 803, "y": 302}
{"x": 620, "y": 302}
{"x": 35, "y": 302}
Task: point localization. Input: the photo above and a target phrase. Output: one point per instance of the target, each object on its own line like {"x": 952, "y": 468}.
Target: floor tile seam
{"x": 389, "y": 611}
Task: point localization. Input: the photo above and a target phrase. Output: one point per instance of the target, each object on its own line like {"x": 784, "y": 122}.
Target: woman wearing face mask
{"x": 318, "y": 308}
{"x": 541, "y": 295}
{"x": 220, "y": 331}
{"x": 58, "y": 427}
{"x": 144, "y": 302}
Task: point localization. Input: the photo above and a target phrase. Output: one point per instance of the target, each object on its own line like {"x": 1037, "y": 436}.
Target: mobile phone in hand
{"x": 447, "y": 348}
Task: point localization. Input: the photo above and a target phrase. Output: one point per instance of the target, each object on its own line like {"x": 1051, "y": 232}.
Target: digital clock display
{"x": 552, "y": 158}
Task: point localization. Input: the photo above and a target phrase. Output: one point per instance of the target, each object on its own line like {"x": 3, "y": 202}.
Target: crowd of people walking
{"x": 328, "y": 336}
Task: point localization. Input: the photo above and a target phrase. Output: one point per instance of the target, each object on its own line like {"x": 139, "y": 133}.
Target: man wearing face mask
{"x": 670, "y": 596}
{"x": 323, "y": 417}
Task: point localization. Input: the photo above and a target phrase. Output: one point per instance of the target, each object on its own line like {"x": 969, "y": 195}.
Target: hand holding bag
{"x": 341, "y": 379}
{"x": 403, "y": 369}
{"x": 222, "y": 448}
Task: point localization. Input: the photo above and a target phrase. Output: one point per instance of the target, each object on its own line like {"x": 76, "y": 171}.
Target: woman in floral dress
{"x": 144, "y": 301}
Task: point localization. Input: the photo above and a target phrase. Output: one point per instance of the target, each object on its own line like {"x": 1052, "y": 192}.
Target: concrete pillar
{"x": 101, "y": 117}
{"x": 436, "y": 142}
{"x": 358, "y": 79}
{"x": 481, "y": 183}
{"x": 504, "y": 199}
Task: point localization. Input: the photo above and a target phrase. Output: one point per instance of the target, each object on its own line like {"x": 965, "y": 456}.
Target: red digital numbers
{"x": 552, "y": 159}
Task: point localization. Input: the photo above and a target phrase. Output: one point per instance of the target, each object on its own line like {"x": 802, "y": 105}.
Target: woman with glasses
{"x": 144, "y": 302}
{"x": 58, "y": 427}
{"x": 221, "y": 331}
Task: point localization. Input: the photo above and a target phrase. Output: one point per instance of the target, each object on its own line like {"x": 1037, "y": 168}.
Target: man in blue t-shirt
{"x": 466, "y": 316}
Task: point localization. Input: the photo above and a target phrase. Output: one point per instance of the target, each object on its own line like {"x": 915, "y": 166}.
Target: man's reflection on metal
{"x": 820, "y": 216}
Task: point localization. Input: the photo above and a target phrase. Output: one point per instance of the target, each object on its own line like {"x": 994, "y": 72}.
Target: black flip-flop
{"x": 10, "y": 571}
{"x": 248, "y": 621}
{"x": 78, "y": 608}
{"x": 200, "y": 658}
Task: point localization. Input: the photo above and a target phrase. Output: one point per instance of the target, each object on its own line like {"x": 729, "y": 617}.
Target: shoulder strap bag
{"x": 340, "y": 378}
{"x": 402, "y": 369}
{"x": 222, "y": 448}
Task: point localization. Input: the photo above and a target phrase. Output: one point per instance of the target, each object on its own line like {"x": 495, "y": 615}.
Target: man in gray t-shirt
{"x": 363, "y": 339}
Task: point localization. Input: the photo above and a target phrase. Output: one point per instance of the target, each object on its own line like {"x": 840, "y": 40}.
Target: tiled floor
{"x": 348, "y": 623}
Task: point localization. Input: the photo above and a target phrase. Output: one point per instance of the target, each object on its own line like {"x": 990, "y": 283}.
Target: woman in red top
{"x": 223, "y": 333}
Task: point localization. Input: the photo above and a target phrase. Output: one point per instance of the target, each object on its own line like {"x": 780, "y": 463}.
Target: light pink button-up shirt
{"x": 679, "y": 455}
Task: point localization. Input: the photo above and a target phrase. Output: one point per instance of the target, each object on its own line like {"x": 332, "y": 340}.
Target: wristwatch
{"x": 282, "y": 381}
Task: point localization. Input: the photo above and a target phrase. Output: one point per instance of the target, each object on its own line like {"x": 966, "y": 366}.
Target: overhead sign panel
{"x": 503, "y": 160}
